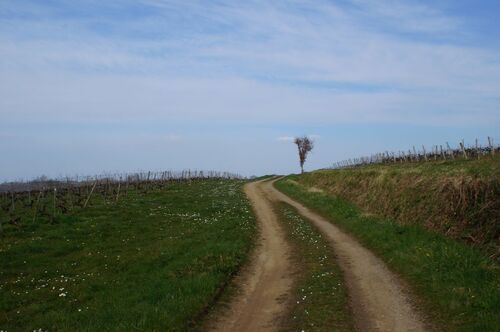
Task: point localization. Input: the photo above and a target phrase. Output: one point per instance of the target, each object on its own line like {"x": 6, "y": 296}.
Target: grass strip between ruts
{"x": 319, "y": 298}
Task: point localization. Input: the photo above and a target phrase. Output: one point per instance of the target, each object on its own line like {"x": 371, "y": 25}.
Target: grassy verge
{"x": 149, "y": 262}
{"x": 319, "y": 301}
{"x": 458, "y": 284}
{"x": 458, "y": 198}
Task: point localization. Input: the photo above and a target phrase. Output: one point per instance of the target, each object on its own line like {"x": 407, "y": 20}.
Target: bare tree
{"x": 305, "y": 145}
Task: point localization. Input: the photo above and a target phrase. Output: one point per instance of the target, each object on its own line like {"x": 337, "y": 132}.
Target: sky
{"x": 119, "y": 86}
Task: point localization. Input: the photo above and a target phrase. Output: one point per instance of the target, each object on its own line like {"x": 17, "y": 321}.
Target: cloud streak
{"x": 285, "y": 139}
{"x": 294, "y": 66}
{"x": 326, "y": 50}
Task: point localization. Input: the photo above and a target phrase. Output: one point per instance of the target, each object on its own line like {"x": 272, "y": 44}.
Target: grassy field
{"x": 458, "y": 284}
{"x": 319, "y": 300}
{"x": 152, "y": 261}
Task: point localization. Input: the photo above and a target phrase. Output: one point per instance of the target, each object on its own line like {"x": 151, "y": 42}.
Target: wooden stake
{"x": 54, "y": 205}
{"x": 12, "y": 199}
{"x": 36, "y": 205}
{"x": 118, "y": 191}
{"x": 450, "y": 151}
{"x": 477, "y": 149}
{"x": 106, "y": 190}
{"x": 90, "y": 194}
{"x": 463, "y": 149}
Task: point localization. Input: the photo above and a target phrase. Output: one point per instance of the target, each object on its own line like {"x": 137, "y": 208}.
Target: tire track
{"x": 267, "y": 280}
{"x": 378, "y": 298}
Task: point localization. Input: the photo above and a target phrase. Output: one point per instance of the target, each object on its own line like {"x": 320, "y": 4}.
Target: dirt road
{"x": 378, "y": 298}
{"x": 267, "y": 280}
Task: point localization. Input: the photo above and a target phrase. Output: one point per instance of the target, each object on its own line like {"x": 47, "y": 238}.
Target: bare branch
{"x": 304, "y": 145}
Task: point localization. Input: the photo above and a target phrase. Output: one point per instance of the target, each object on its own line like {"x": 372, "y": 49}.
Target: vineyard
{"x": 45, "y": 199}
{"x": 153, "y": 259}
{"x": 440, "y": 152}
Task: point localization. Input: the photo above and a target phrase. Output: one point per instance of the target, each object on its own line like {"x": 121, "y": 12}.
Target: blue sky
{"x": 93, "y": 86}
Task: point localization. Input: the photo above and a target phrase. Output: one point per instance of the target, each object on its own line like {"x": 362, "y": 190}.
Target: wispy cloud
{"x": 408, "y": 16}
{"x": 332, "y": 54}
{"x": 285, "y": 138}
{"x": 295, "y": 65}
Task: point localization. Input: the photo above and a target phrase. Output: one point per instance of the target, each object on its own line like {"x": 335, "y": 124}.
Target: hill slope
{"x": 152, "y": 261}
{"x": 458, "y": 198}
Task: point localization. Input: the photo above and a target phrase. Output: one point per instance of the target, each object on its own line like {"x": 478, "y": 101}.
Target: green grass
{"x": 151, "y": 262}
{"x": 484, "y": 167}
{"x": 458, "y": 198}
{"x": 458, "y": 285}
{"x": 319, "y": 300}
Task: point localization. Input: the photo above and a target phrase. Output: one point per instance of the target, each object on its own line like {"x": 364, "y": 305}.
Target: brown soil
{"x": 267, "y": 280}
{"x": 378, "y": 298}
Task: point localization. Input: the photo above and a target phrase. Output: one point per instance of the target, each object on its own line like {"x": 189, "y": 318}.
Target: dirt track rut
{"x": 378, "y": 299}
{"x": 266, "y": 281}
